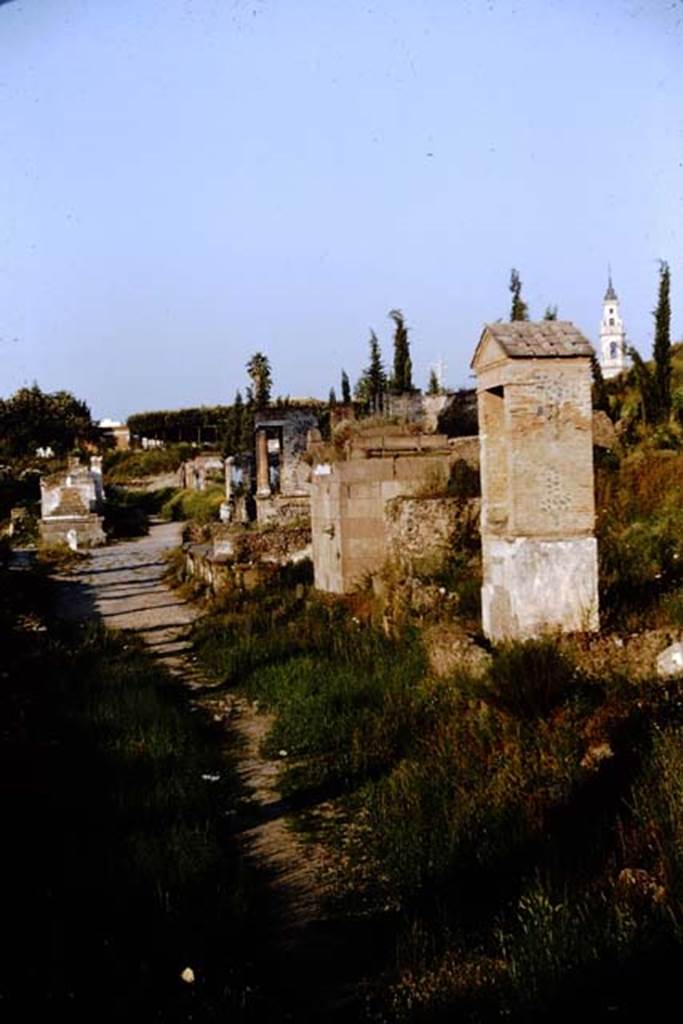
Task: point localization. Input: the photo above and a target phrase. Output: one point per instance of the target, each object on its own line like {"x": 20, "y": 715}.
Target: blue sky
{"x": 183, "y": 182}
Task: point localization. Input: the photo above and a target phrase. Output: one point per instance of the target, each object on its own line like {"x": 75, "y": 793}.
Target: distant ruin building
{"x": 283, "y": 474}
{"x": 71, "y": 504}
{"x": 114, "y": 433}
{"x": 537, "y": 516}
{"x": 612, "y": 335}
{"x": 204, "y": 469}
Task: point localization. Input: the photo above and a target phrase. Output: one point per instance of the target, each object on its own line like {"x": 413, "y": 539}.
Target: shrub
{"x": 120, "y": 466}
{"x": 476, "y": 790}
{"x": 529, "y": 679}
{"x": 196, "y": 506}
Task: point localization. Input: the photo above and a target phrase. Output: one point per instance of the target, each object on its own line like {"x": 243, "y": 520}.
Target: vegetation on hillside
{"x": 524, "y": 830}
{"x": 199, "y": 507}
{"x": 120, "y": 467}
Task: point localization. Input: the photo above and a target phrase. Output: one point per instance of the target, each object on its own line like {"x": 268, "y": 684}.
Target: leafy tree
{"x": 32, "y": 419}
{"x": 345, "y": 388}
{"x": 258, "y": 369}
{"x": 550, "y": 313}
{"x": 402, "y": 379}
{"x": 177, "y": 425}
{"x": 661, "y": 350}
{"x": 433, "y": 388}
{"x": 519, "y": 309}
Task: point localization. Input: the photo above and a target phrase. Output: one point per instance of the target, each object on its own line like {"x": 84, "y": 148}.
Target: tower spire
{"x": 612, "y": 333}
{"x": 610, "y": 294}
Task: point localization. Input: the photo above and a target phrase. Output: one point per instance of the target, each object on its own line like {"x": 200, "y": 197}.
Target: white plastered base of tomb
{"x": 534, "y": 586}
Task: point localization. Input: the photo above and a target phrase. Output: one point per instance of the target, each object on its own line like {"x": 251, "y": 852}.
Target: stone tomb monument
{"x": 71, "y": 503}
{"x": 537, "y": 519}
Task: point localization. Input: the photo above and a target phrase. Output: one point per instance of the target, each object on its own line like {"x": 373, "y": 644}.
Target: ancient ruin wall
{"x": 347, "y": 513}
{"x": 420, "y": 532}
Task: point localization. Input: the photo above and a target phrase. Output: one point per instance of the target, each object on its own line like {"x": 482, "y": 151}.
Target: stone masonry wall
{"x": 421, "y": 531}
{"x": 347, "y": 512}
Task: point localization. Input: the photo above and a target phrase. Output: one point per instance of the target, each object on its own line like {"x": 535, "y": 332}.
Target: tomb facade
{"x": 71, "y": 505}
{"x": 539, "y": 551}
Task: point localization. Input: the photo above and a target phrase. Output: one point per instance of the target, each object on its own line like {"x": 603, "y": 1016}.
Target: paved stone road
{"x": 123, "y": 585}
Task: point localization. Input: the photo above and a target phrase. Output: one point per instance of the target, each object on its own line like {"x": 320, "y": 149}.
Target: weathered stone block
{"x": 670, "y": 661}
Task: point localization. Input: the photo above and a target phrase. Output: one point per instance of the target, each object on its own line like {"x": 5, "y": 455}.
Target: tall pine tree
{"x": 519, "y": 309}
{"x": 433, "y": 388}
{"x": 373, "y": 381}
{"x": 661, "y": 350}
{"x": 377, "y": 377}
{"x": 345, "y": 388}
{"x": 654, "y": 383}
{"x": 402, "y": 379}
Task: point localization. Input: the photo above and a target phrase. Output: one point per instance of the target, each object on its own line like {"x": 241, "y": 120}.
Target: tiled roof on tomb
{"x": 542, "y": 339}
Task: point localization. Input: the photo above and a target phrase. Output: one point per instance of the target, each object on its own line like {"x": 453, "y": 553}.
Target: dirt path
{"x": 123, "y": 585}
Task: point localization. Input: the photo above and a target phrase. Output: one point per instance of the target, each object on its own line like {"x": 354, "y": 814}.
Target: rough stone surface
{"x": 604, "y": 433}
{"x": 421, "y": 530}
{"x": 670, "y": 661}
{"x": 450, "y": 650}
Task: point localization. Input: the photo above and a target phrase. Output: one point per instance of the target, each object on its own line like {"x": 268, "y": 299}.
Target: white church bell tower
{"x": 612, "y": 335}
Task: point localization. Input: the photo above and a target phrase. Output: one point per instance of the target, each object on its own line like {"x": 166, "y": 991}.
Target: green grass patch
{"x": 135, "y": 464}
{"x": 196, "y": 506}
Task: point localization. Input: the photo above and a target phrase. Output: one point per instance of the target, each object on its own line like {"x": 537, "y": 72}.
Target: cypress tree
{"x": 377, "y": 378}
{"x": 661, "y": 350}
{"x": 600, "y": 396}
{"x": 519, "y": 309}
{"x": 402, "y": 379}
{"x": 233, "y": 427}
{"x": 345, "y": 388}
{"x": 332, "y": 401}
{"x": 433, "y": 387}
{"x": 246, "y": 441}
